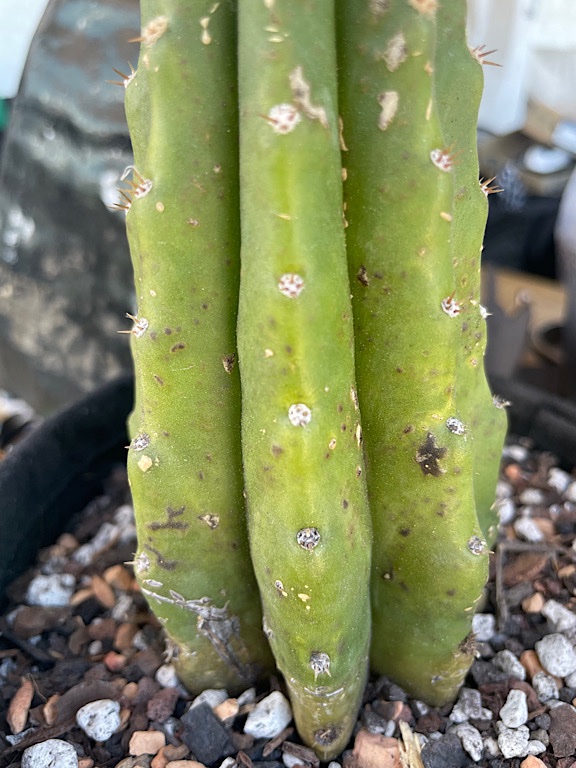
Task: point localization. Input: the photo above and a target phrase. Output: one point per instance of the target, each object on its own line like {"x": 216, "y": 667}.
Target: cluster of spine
{"x": 314, "y": 202}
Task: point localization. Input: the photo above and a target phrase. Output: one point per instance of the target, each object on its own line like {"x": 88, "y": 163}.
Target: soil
{"x": 103, "y": 643}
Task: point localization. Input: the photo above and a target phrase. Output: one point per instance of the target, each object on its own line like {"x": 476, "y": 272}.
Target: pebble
{"x": 471, "y": 740}
{"x": 146, "y": 742}
{"x": 506, "y": 509}
{"x": 211, "y": 696}
{"x": 167, "y": 677}
{"x": 205, "y": 735}
{"x": 269, "y": 717}
{"x": 559, "y": 479}
{"x": 99, "y": 719}
{"x": 53, "y": 590}
{"x": 570, "y": 680}
{"x": 162, "y": 704}
{"x": 545, "y": 686}
{"x": 563, "y": 730}
{"x": 484, "y": 626}
{"x": 561, "y": 618}
{"x": 372, "y": 750}
{"x": 514, "y": 713}
{"x": 532, "y": 762}
{"x": 532, "y": 496}
{"x": 507, "y": 662}
{"x": 526, "y": 528}
{"x": 247, "y": 697}
{"x": 516, "y": 452}
{"x": 570, "y": 492}
{"x": 469, "y": 707}
{"x": 49, "y": 754}
{"x": 513, "y": 742}
{"x": 535, "y": 747}
{"x": 444, "y": 752}
{"x": 556, "y": 654}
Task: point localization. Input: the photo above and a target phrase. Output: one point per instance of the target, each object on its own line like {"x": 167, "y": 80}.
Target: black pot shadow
{"x": 55, "y": 470}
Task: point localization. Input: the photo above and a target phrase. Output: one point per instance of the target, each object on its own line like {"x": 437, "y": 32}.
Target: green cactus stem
{"x": 307, "y": 510}
{"x": 430, "y": 559}
{"x": 455, "y": 85}
{"x": 184, "y": 460}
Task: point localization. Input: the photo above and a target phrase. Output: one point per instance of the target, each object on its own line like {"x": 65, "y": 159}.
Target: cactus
{"x": 308, "y": 515}
{"x": 414, "y": 314}
{"x": 236, "y": 215}
{"x": 184, "y": 460}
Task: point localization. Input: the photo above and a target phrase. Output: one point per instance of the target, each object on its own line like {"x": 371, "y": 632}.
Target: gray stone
{"x": 526, "y": 528}
{"x": 53, "y": 590}
{"x": 65, "y": 272}
{"x": 545, "y": 686}
{"x": 561, "y": 618}
{"x": 211, "y": 696}
{"x": 53, "y": 753}
{"x": 269, "y": 717}
{"x": 556, "y": 655}
{"x": 469, "y": 707}
{"x": 513, "y": 741}
{"x": 99, "y": 719}
{"x": 535, "y": 747}
{"x": 514, "y": 713}
{"x": 484, "y": 626}
{"x": 507, "y": 662}
{"x": 471, "y": 740}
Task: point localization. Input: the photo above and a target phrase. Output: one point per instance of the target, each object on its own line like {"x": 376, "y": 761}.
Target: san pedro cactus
{"x": 305, "y": 187}
{"x": 418, "y": 333}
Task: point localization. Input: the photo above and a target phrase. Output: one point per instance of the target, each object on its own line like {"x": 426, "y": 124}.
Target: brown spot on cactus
{"x": 228, "y": 361}
{"x": 178, "y": 347}
{"x": 327, "y": 736}
{"x": 404, "y": 532}
{"x": 161, "y": 561}
{"x": 362, "y": 276}
{"x": 171, "y": 522}
{"x": 428, "y": 456}
{"x": 276, "y": 450}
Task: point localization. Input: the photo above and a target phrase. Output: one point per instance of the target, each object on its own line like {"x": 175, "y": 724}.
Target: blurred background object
{"x": 65, "y": 274}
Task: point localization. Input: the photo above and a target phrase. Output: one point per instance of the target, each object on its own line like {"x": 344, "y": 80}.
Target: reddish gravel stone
{"x": 563, "y": 730}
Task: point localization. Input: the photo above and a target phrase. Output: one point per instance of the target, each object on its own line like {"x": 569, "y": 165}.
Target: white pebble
{"x": 291, "y": 761}
{"x": 506, "y": 509}
{"x": 334, "y": 764}
{"x": 104, "y": 539}
{"x": 560, "y": 617}
{"x": 504, "y": 490}
{"x": 525, "y": 528}
{"x": 556, "y": 655}
{"x": 514, "y": 713}
{"x": 53, "y": 753}
{"x": 558, "y": 479}
{"x": 484, "y": 626}
{"x": 247, "y": 697}
{"x": 99, "y": 719}
{"x": 269, "y": 717}
{"x": 471, "y": 740}
{"x": 469, "y": 707}
{"x": 228, "y": 762}
{"x": 532, "y": 496}
{"x": 54, "y": 590}
{"x": 570, "y": 492}
{"x": 516, "y": 452}
{"x": 491, "y": 748}
{"x": 211, "y": 696}
{"x": 166, "y": 676}
{"x": 545, "y": 686}
{"x": 513, "y": 742}
{"x": 535, "y": 747}
{"x": 507, "y": 662}
{"x": 570, "y": 680}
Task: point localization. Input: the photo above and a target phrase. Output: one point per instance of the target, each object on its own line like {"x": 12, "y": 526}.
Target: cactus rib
{"x": 307, "y": 510}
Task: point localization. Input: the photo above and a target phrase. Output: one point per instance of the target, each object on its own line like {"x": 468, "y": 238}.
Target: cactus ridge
{"x": 307, "y": 508}
{"x": 184, "y": 461}
{"x": 429, "y": 557}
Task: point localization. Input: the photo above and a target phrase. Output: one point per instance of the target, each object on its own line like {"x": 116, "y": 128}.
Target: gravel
{"x": 95, "y": 655}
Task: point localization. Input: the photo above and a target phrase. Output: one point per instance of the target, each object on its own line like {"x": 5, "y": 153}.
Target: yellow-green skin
{"x": 308, "y": 517}
{"x": 430, "y": 558}
{"x": 458, "y": 82}
{"x": 184, "y": 460}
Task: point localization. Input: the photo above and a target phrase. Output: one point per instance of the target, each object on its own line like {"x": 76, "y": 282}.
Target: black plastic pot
{"x": 60, "y": 466}
{"x": 56, "y": 470}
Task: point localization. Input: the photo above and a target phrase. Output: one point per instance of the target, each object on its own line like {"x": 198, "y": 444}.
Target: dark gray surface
{"x": 65, "y": 273}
